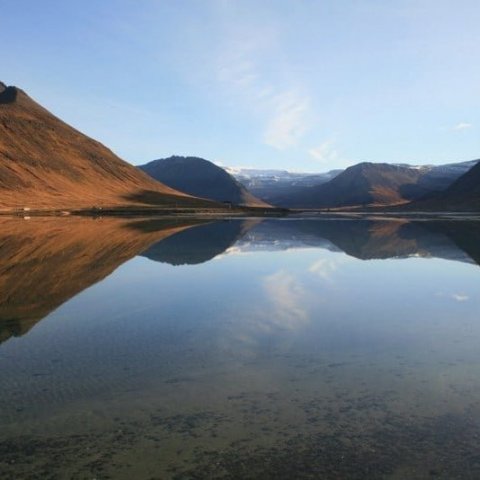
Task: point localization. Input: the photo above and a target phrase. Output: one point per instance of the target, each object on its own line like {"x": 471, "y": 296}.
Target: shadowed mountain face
{"x": 199, "y": 244}
{"x": 46, "y": 261}
{"x": 46, "y": 164}
{"x": 375, "y": 184}
{"x": 200, "y": 178}
{"x": 462, "y": 195}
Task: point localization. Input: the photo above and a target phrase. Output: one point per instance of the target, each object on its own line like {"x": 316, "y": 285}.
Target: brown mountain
{"x": 462, "y": 195}
{"x": 201, "y": 178}
{"x": 360, "y": 185}
{"x": 46, "y": 261}
{"x": 377, "y": 184}
{"x": 46, "y": 164}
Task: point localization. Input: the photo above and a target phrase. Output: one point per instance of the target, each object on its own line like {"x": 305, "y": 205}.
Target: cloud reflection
{"x": 324, "y": 268}
{"x": 287, "y": 296}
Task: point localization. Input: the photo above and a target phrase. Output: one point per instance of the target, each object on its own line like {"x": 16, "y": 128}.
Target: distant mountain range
{"x": 273, "y": 185}
{"x": 200, "y": 178}
{"x": 364, "y": 184}
{"x": 46, "y": 164}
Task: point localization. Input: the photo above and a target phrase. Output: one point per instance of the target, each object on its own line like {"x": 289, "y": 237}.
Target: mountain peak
{"x": 7, "y": 94}
{"x": 362, "y": 165}
{"x": 376, "y": 166}
{"x": 46, "y": 164}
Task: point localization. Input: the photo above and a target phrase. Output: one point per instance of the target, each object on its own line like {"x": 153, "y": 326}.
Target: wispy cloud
{"x": 282, "y": 102}
{"x": 325, "y": 153}
{"x": 288, "y": 121}
{"x": 462, "y": 126}
{"x": 460, "y": 297}
{"x": 236, "y": 70}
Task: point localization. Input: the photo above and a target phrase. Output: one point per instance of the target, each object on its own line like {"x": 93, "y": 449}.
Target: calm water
{"x": 240, "y": 349}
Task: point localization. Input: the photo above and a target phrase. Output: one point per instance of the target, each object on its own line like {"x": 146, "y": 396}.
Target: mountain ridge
{"x": 47, "y": 164}
{"x": 374, "y": 185}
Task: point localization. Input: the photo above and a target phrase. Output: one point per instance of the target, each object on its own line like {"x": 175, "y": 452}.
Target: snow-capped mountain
{"x": 273, "y": 183}
{"x": 361, "y": 184}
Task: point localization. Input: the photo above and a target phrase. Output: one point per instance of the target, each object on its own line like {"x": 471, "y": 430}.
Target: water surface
{"x": 274, "y": 349}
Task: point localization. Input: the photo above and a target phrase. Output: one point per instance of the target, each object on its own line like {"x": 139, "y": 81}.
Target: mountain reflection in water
{"x": 46, "y": 261}
{"x": 364, "y": 239}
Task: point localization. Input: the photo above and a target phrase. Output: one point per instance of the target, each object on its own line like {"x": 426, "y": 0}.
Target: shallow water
{"x": 274, "y": 349}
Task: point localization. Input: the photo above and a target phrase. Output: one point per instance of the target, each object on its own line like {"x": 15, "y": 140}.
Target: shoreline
{"x": 238, "y": 212}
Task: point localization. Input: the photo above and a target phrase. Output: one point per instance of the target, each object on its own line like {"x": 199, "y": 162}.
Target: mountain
{"x": 201, "y": 178}
{"x": 272, "y": 185}
{"x": 359, "y": 185}
{"x": 46, "y": 164}
{"x": 440, "y": 177}
{"x": 376, "y": 184}
{"x": 461, "y": 195}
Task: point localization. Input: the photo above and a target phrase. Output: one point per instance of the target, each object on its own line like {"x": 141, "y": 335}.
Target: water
{"x": 239, "y": 349}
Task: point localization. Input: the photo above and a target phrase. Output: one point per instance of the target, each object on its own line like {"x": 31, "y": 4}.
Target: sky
{"x": 303, "y": 85}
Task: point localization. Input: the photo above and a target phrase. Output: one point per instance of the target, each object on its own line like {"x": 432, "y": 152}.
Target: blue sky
{"x": 298, "y": 84}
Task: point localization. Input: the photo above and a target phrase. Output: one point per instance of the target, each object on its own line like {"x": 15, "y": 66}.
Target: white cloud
{"x": 328, "y": 155}
{"x": 459, "y": 297}
{"x": 289, "y": 120}
{"x": 462, "y": 126}
{"x": 325, "y": 152}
